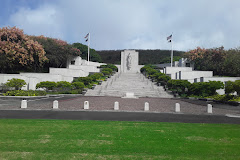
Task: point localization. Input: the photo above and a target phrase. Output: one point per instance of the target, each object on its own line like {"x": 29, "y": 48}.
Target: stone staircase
{"x": 121, "y": 83}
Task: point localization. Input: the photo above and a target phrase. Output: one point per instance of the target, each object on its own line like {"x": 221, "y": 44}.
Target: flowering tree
{"x": 17, "y": 50}
{"x": 208, "y": 59}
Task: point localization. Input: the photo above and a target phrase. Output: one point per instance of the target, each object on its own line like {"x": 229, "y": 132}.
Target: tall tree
{"x": 57, "y": 51}
{"x": 208, "y": 59}
{"x": 17, "y": 51}
{"x": 94, "y": 56}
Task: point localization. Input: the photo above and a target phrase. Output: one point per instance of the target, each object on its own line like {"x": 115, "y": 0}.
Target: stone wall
{"x": 194, "y": 74}
{"x": 173, "y": 71}
{"x": 80, "y": 69}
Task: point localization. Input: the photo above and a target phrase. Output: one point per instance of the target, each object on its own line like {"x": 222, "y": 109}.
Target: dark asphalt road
{"x": 116, "y": 116}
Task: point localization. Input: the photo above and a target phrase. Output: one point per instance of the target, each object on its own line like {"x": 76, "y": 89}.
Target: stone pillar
{"x": 209, "y": 108}
{"x": 146, "y": 106}
{"x": 55, "y": 104}
{"x": 116, "y": 106}
{"x": 177, "y": 107}
{"x": 24, "y": 104}
{"x": 86, "y": 105}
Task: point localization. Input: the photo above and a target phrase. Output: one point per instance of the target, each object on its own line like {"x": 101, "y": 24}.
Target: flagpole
{"x": 88, "y": 46}
{"x": 172, "y": 53}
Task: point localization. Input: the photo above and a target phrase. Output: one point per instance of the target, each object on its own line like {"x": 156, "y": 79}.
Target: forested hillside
{"x": 145, "y": 56}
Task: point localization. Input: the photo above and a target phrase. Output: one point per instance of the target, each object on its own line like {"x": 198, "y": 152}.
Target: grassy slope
{"x": 62, "y": 139}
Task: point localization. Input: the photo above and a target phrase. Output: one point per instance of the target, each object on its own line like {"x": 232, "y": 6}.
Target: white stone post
{"x": 86, "y": 105}
{"x": 146, "y": 106}
{"x": 116, "y": 105}
{"x": 209, "y": 108}
{"x": 177, "y": 107}
{"x": 55, "y": 104}
{"x": 24, "y": 104}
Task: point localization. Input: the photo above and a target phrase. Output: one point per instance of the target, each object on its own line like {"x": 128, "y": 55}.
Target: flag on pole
{"x": 86, "y": 36}
{"x": 169, "y": 38}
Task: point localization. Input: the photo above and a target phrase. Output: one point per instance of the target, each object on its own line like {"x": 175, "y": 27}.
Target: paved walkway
{"x": 106, "y": 103}
{"x": 101, "y": 108}
{"x": 121, "y": 83}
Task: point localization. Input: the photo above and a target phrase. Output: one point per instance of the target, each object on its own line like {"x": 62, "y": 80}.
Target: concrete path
{"x": 121, "y": 83}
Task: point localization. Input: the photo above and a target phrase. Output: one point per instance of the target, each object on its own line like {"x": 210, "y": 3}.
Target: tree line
{"x": 145, "y": 56}
{"x": 222, "y": 62}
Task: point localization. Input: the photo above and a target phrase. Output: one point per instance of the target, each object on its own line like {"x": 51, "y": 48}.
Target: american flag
{"x": 86, "y": 36}
{"x": 169, "y": 37}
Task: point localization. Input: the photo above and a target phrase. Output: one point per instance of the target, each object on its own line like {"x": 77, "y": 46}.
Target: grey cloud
{"x": 136, "y": 24}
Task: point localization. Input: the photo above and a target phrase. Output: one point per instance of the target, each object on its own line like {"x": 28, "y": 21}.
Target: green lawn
{"x": 65, "y": 139}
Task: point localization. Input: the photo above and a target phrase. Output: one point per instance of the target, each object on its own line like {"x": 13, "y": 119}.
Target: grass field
{"x": 65, "y": 139}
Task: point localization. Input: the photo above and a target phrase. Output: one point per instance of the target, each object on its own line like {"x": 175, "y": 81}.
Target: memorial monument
{"x": 129, "y": 61}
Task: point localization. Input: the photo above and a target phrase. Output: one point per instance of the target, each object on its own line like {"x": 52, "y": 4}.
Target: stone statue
{"x": 129, "y": 59}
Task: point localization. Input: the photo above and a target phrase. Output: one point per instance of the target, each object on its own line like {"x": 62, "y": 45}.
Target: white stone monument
{"x": 209, "y": 108}
{"x": 55, "y": 104}
{"x": 86, "y": 105}
{"x": 146, "y": 106}
{"x": 24, "y": 104}
{"x": 129, "y": 61}
{"x": 177, "y": 107}
{"x": 116, "y": 105}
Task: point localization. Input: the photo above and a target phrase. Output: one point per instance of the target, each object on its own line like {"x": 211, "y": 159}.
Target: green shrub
{"x": 111, "y": 66}
{"x": 63, "y": 84}
{"x": 235, "y": 98}
{"x": 85, "y": 80}
{"x": 25, "y": 93}
{"x": 229, "y": 88}
{"x": 48, "y": 85}
{"x": 106, "y": 73}
{"x": 156, "y": 75}
{"x": 181, "y": 86}
{"x": 107, "y": 69}
{"x": 151, "y": 71}
{"x": 143, "y": 69}
{"x": 75, "y": 91}
{"x": 78, "y": 85}
{"x": 205, "y": 89}
{"x": 236, "y": 86}
{"x": 222, "y": 97}
{"x": 16, "y": 83}
{"x": 95, "y": 76}
{"x": 163, "y": 78}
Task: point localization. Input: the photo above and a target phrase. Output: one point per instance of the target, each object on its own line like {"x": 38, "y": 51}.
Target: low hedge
{"x": 25, "y": 93}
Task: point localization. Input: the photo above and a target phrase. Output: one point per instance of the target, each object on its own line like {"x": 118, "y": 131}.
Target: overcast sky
{"x": 129, "y": 24}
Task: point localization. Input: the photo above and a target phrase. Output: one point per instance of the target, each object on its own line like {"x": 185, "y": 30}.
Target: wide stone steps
{"x": 119, "y": 84}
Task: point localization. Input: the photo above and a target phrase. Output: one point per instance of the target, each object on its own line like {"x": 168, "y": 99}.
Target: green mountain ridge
{"x": 147, "y": 56}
